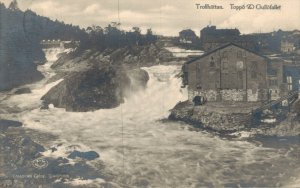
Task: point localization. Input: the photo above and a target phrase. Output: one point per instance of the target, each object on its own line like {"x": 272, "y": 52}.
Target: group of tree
{"x": 20, "y": 36}
{"x": 188, "y": 39}
{"x": 113, "y": 37}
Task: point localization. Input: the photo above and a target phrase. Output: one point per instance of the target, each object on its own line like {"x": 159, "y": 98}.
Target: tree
{"x": 136, "y": 30}
{"x": 14, "y": 5}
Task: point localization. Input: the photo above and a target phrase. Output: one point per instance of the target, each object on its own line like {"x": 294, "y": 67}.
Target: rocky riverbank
{"x": 232, "y": 118}
{"x": 23, "y": 162}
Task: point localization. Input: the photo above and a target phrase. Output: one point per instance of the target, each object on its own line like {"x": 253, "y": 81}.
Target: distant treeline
{"x": 20, "y": 36}
{"x": 113, "y": 37}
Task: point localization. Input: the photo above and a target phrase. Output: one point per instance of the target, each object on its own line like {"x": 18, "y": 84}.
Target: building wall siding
{"x": 229, "y": 72}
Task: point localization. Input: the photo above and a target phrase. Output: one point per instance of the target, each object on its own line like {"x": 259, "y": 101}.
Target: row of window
{"x": 239, "y": 54}
{"x": 239, "y": 64}
{"x": 240, "y": 75}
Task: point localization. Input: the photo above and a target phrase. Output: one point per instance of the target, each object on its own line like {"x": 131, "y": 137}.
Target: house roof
{"x": 222, "y": 47}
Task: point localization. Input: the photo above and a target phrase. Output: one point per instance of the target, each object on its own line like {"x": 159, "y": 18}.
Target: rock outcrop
{"x": 227, "y": 119}
{"x": 210, "y": 118}
{"x": 5, "y": 124}
{"x": 137, "y": 56}
{"x": 100, "y": 87}
{"x": 23, "y": 164}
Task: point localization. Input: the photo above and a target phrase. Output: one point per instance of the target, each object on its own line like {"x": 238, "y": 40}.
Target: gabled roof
{"x": 222, "y": 47}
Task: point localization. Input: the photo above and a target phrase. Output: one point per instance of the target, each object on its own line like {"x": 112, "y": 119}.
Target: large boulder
{"x": 89, "y": 90}
{"x": 97, "y": 88}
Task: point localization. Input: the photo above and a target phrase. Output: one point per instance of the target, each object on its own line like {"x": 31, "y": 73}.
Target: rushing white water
{"x": 180, "y": 52}
{"x": 139, "y": 150}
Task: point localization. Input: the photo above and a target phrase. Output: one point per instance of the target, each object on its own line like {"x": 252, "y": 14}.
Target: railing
{"x": 293, "y": 95}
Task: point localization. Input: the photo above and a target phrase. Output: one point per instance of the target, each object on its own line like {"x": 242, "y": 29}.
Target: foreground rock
{"x": 100, "y": 87}
{"x": 230, "y": 118}
{"x": 21, "y": 91}
{"x": 22, "y": 163}
{"x": 5, "y": 124}
{"x": 90, "y": 155}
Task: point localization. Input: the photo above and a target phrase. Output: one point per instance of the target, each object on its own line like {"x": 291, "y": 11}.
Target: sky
{"x": 168, "y": 17}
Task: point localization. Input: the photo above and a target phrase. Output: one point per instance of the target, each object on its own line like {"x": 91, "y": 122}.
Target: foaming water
{"x": 32, "y": 100}
{"x": 139, "y": 150}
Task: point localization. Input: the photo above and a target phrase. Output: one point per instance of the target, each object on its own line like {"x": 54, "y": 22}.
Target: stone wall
{"x": 232, "y": 95}
{"x": 210, "y": 95}
{"x": 229, "y": 95}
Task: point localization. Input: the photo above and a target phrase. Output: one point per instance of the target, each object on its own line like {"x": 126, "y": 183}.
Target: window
{"x": 253, "y": 74}
{"x": 273, "y": 82}
{"x": 240, "y": 65}
{"x": 289, "y": 83}
{"x": 254, "y": 65}
{"x": 289, "y": 79}
{"x": 212, "y": 62}
{"x": 225, "y": 54}
{"x": 225, "y": 65}
{"x": 239, "y": 54}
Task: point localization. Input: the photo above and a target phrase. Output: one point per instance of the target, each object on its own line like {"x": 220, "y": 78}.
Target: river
{"x": 140, "y": 149}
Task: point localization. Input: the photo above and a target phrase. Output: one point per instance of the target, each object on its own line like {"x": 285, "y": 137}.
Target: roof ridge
{"x": 221, "y": 47}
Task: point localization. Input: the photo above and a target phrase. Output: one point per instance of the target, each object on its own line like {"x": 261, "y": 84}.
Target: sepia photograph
{"x": 149, "y": 94}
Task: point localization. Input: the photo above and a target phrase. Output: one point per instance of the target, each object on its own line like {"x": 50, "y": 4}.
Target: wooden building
{"x": 228, "y": 73}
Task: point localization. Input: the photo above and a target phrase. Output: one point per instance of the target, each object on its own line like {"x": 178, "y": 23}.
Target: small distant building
{"x": 287, "y": 46}
{"x": 59, "y": 44}
{"x": 228, "y": 73}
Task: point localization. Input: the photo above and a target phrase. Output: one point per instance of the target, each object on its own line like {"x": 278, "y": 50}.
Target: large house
{"x": 228, "y": 73}
{"x": 212, "y": 38}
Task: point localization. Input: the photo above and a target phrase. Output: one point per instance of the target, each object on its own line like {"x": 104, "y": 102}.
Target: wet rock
{"x": 22, "y": 91}
{"x": 138, "y": 79}
{"x": 100, "y": 87}
{"x": 210, "y": 118}
{"x": 5, "y": 124}
{"x": 289, "y": 127}
{"x": 96, "y": 88}
{"x": 29, "y": 148}
{"x": 90, "y": 155}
